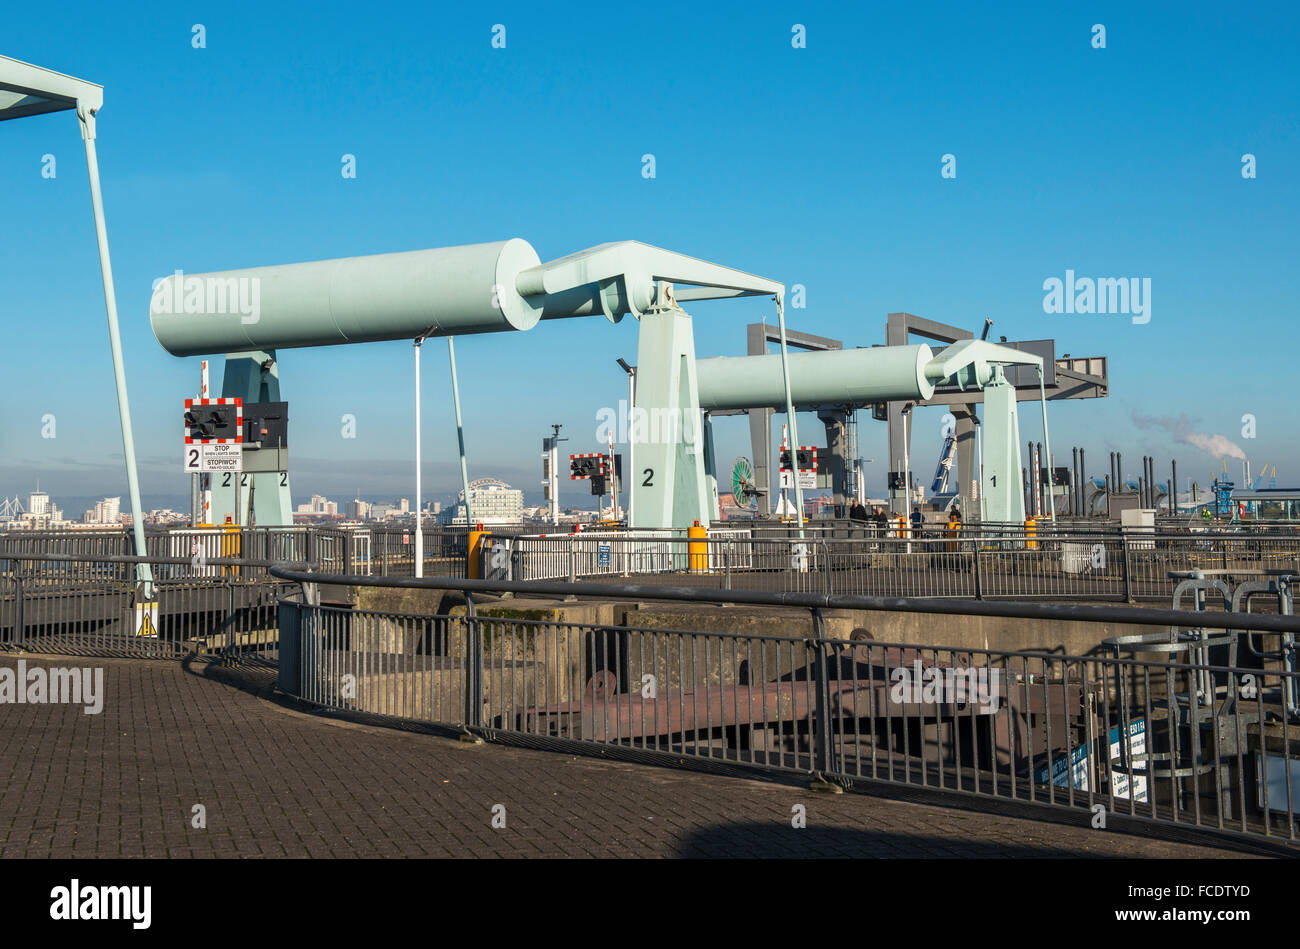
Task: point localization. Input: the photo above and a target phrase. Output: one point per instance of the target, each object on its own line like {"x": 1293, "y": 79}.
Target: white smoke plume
{"x": 1220, "y": 446}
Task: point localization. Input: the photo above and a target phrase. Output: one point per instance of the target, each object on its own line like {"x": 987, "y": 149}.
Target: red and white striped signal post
{"x": 222, "y": 430}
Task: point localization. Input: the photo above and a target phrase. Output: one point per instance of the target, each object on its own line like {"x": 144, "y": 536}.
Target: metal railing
{"x": 377, "y": 550}
{"x": 1164, "y": 524}
{"x": 93, "y": 606}
{"x": 1189, "y": 734}
{"x": 1123, "y": 567}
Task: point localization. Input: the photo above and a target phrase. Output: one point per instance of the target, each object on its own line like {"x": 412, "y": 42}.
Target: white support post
{"x": 907, "y": 478}
{"x": 1047, "y": 442}
{"x": 419, "y": 499}
{"x": 555, "y": 481}
{"x": 205, "y": 478}
{"x": 631, "y": 442}
{"x": 789, "y": 411}
{"x": 460, "y": 433}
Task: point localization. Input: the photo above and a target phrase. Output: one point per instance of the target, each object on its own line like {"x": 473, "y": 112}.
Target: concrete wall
{"x": 550, "y": 652}
{"x": 966, "y": 632}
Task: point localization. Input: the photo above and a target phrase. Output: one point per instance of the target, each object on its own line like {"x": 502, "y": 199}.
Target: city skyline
{"x": 74, "y": 506}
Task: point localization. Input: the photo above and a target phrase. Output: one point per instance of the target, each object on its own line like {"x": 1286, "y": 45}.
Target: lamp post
{"x": 419, "y": 499}
{"x": 631, "y": 430}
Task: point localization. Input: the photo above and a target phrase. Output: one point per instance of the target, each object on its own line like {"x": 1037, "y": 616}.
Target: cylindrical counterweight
{"x": 446, "y": 291}
{"x": 831, "y": 377}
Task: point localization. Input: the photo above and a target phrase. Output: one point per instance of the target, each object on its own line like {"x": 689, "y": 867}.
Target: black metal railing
{"x": 1124, "y": 567}
{"x": 379, "y": 550}
{"x": 95, "y": 606}
{"x": 1180, "y": 729}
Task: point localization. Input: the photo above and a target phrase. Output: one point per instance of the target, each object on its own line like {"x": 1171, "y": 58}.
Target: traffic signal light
{"x": 266, "y": 423}
{"x": 1060, "y": 476}
{"x": 214, "y": 420}
{"x": 586, "y": 466}
{"x": 805, "y": 457}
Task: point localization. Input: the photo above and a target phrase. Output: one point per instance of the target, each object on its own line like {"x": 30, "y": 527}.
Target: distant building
{"x": 492, "y": 503}
{"x": 319, "y": 506}
{"x": 41, "y": 514}
{"x": 107, "y": 511}
{"x": 160, "y": 516}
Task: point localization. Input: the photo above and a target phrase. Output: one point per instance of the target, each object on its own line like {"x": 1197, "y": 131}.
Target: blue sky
{"x": 819, "y": 166}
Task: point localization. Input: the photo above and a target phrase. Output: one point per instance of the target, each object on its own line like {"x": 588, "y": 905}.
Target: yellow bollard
{"x": 475, "y": 547}
{"x": 697, "y": 549}
{"x": 230, "y": 546}
{"x": 1031, "y": 531}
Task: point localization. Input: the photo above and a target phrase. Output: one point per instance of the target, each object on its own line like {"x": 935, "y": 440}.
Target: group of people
{"x": 858, "y": 512}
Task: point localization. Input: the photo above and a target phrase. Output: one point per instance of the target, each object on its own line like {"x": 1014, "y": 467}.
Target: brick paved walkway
{"x": 278, "y": 782}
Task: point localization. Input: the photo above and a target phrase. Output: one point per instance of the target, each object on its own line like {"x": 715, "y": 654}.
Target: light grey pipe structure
{"x": 830, "y": 377}
{"x": 850, "y": 377}
{"x": 481, "y": 288}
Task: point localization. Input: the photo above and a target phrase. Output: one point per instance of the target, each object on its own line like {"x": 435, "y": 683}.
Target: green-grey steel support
{"x": 144, "y": 573}
{"x": 670, "y": 479}
{"x": 1000, "y": 477}
{"x": 254, "y": 498}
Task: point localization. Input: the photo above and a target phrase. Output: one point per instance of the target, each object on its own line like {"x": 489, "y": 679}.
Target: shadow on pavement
{"x": 766, "y": 840}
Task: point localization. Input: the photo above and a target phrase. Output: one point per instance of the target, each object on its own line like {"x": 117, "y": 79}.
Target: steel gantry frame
{"x": 1064, "y": 378}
